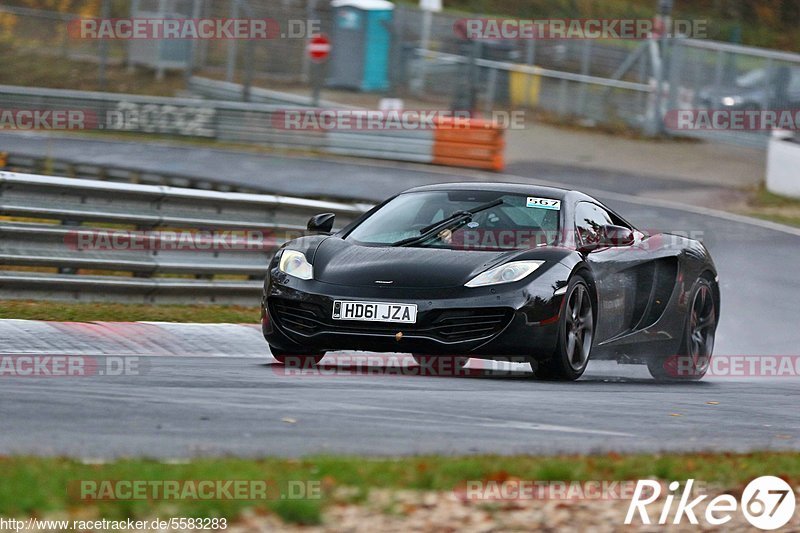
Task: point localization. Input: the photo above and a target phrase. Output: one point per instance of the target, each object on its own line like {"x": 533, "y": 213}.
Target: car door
{"x": 617, "y": 277}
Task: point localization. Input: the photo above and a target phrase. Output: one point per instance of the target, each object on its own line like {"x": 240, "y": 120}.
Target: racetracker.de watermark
{"x": 526, "y": 489}
{"x": 476, "y": 238}
{"x": 249, "y": 240}
{"x": 545, "y": 29}
{"x": 393, "y": 120}
{"x": 245, "y": 240}
{"x": 735, "y": 366}
{"x": 47, "y": 119}
{"x": 732, "y": 119}
{"x": 70, "y": 366}
{"x": 399, "y": 365}
{"x": 91, "y": 490}
{"x": 191, "y": 28}
{"x": 189, "y": 120}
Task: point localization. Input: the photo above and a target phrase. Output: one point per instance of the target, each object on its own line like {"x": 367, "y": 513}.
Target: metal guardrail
{"x": 534, "y": 70}
{"x": 415, "y": 146}
{"x": 76, "y": 168}
{"x": 223, "y": 120}
{"x": 189, "y": 243}
{"x": 225, "y": 90}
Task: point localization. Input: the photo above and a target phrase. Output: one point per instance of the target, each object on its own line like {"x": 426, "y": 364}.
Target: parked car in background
{"x": 758, "y": 89}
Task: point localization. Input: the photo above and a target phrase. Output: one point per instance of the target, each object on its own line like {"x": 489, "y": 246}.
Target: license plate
{"x": 375, "y": 312}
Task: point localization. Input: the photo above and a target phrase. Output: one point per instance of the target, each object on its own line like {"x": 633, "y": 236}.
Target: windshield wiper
{"x": 453, "y": 221}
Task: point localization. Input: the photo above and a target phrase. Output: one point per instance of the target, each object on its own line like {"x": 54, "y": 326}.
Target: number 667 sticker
{"x": 544, "y": 203}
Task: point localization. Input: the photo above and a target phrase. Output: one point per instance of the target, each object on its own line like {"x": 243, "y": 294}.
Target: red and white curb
{"x": 168, "y": 339}
{"x": 30, "y": 337}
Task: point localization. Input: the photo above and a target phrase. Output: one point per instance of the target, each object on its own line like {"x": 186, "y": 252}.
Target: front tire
{"x": 575, "y": 335}
{"x": 694, "y": 356}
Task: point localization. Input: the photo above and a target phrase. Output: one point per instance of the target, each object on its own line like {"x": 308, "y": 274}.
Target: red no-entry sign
{"x": 319, "y": 48}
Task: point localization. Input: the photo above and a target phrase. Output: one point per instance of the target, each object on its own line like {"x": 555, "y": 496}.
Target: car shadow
{"x": 410, "y": 371}
{"x": 405, "y": 369}
{"x": 625, "y": 380}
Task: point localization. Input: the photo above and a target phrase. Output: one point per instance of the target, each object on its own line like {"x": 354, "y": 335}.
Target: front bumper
{"x": 519, "y": 319}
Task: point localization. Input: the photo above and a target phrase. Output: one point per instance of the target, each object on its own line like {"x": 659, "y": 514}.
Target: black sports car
{"x": 495, "y": 271}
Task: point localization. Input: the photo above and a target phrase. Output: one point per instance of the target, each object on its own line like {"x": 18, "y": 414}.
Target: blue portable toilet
{"x": 362, "y": 41}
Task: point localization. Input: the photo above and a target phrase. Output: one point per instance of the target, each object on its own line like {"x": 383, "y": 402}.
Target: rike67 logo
{"x": 768, "y": 503}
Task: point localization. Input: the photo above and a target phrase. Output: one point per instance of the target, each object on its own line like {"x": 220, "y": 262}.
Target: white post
{"x": 428, "y": 7}
{"x": 230, "y": 68}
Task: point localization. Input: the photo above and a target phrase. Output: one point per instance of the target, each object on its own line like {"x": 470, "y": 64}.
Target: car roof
{"x": 555, "y": 193}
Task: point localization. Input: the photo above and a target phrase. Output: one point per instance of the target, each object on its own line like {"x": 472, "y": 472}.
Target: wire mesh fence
{"x": 705, "y": 75}
{"x": 608, "y": 82}
{"x": 282, "y": 58}
{"x": 47, "y": 32}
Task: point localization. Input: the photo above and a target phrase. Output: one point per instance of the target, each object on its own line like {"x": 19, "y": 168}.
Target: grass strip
{"x": 114, "y": 312}
{"x": 39, "y": 486}
{"x": 769, "y": 206}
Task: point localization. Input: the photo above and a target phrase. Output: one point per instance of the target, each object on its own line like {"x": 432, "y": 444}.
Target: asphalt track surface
{"x": 243, "y": 405}
{"x": 349, "y": 179}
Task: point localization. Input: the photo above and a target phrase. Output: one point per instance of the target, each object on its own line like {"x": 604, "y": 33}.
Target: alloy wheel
{"x": 579, "y": 327}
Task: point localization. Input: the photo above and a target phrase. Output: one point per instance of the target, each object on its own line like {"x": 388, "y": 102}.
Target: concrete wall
{"x": 783, "y": 164}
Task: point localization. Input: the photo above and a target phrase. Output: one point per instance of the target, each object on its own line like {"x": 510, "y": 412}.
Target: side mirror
{"x": 610, "y": 236}
{"x": 617, "y": 236}
{"x": 322, "y": 223}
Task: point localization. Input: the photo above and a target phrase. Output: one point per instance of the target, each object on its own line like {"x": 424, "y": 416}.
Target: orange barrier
{"x": 472, "y": 143}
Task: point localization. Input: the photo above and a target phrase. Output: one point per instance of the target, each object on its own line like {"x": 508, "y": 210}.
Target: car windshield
{"x": 517, "y": 221}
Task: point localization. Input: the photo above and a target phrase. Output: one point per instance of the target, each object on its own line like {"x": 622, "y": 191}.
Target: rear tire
{"x": 697, "y": 346}
{"x": 575, "y": 335}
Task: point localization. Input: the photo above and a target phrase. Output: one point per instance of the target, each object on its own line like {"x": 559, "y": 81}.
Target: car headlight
{"x": 295, "y": 264}
{"x": 731, "y": 100}
{"x": 507, "y": 273}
